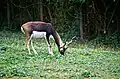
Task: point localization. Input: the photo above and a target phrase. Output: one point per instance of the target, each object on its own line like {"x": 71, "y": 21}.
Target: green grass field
{"x": 81, "y": 61}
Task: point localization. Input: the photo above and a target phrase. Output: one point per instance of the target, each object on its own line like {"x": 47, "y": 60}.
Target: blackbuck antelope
{"x": 38, "y": 29}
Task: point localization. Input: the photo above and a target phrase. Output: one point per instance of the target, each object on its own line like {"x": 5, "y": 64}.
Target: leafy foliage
{"x": 110, "y": 41}
{"x": 79, "y": 1}
{"x": 80, "y": 61}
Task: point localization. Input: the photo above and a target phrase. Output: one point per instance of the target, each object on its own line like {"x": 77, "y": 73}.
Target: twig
{"x": 112, "y": 14}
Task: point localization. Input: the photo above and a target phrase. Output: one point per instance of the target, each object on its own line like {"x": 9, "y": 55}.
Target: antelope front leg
{"x": 50, "y": 50}
{"x": 49, "y": 46}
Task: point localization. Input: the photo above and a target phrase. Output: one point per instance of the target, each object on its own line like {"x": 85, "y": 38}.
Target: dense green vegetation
{"x": 81, "y": 61}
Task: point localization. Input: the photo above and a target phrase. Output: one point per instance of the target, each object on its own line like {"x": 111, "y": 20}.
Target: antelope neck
{"x": 60, "y": 42}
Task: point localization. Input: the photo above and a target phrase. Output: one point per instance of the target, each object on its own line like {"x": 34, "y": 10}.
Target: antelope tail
{"x": 22, "y": 30}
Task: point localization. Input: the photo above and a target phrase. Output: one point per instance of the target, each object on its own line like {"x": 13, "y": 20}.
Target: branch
{"x": 23, "y": 6}
{"x": 112, "y": 14}
{"x": 49, "y": 14}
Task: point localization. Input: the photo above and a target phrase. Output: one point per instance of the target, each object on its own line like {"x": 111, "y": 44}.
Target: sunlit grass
{"x": 80, "y": 61}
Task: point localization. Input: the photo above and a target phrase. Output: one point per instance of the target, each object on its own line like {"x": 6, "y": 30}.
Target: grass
{"x": 81, "y": 61}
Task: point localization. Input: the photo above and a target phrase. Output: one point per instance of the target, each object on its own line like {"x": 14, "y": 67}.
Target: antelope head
{"x": 65, "y": 46}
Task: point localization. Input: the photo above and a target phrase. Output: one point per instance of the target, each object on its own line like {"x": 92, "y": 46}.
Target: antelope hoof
{"x": 51, "y": 53}
{"x": 36, "y": 53}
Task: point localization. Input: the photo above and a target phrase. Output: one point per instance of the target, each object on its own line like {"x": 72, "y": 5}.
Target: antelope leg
{"x": 49, "y": 46}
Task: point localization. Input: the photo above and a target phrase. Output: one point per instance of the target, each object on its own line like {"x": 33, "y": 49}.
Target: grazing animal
{"x": 38, "y": 29}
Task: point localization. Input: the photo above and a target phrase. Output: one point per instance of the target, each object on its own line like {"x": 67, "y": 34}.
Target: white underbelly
{"x": 37, "y": 34}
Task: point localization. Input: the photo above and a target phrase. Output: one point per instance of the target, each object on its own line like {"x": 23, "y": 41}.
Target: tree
{"x": 79, "y": 4}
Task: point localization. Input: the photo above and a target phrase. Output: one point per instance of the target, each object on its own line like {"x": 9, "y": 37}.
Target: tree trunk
{"x": 8, "y": 13}
{"x": 81, "y": 24}
{"x": 41, "y": 11}
{"x": 50, "y": 14}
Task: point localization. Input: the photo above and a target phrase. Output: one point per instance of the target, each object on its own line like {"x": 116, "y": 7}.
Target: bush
{"x": 112, "y": 41}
